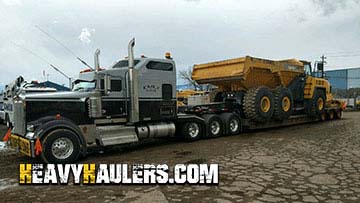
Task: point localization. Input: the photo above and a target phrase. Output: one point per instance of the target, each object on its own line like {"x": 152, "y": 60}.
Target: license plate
{"x": 20, "y": 143}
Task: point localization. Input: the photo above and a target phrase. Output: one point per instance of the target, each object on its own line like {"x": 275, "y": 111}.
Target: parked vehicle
{"x": 136, "y": 99}
{"x": 16, "y": 88}
{"x": 2, "y": 113}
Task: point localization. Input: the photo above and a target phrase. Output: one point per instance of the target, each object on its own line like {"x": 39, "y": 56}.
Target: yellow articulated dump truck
{"x": 267, "y": 93}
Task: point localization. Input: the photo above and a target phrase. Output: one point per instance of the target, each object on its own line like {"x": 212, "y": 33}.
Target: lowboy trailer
{"x": 133, "y": 100}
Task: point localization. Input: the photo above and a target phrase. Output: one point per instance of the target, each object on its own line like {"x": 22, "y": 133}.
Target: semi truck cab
{"x": 134, "y": 99}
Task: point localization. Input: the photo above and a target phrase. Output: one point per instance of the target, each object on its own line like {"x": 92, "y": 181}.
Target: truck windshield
{"x": 84, "y": 86}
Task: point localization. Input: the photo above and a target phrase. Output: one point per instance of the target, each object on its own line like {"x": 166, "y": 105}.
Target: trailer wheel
{"x": 330, "y": 115}
{"x": 232, "y": 124}
{"x": 60, "y": 146}
{"x": 338, "y": 114}
{"x": 283, "y": 103}
{"x": 191, "y": 131}
{"x": 214, "y": 126}
{"x": 259, "y": 104}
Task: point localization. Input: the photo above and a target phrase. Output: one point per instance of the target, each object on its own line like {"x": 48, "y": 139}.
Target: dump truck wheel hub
{"x": 265, "y": 104}
{"x": 320, "y": 102}
{"x": 286, "y": 104}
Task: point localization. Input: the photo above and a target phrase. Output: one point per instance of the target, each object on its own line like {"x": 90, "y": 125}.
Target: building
{"x": 344, "y": 79}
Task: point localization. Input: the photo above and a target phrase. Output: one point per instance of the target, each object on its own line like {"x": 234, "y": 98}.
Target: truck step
{"x": 112, "y": 135}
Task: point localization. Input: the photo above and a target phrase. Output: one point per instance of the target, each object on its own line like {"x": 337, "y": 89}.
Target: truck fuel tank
{"x": 159, "y": 129}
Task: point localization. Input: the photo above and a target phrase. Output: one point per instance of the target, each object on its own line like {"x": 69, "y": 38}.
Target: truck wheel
{"x": 259, "y": 104}
{"x": 232, "y": 124}
{"x": 191, "y": 131}
{"x": 338, "y": 114}
{"x": 316, "y": 106}
{"x": 330, "y": 115}
{"x": 60, "y": 146}
{"x": 283, "y": 103}
{"x": 214, "y": 126}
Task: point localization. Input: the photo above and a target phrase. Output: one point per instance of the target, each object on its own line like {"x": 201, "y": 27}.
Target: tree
{"x": 186, "y": 75}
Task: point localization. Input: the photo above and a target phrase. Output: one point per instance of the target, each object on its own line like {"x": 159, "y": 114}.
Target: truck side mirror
{"x": 107, "y": 84}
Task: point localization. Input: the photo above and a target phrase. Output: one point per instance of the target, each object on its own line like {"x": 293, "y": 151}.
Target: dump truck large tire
{"x": 259, "y": 104}
{"x": 316, "y": 106}
{"x": 283, "y": 103}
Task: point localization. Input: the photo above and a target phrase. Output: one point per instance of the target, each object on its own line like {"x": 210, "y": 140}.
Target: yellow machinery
{"x": 182, "y": 96}
{"x": 266, "y": 88}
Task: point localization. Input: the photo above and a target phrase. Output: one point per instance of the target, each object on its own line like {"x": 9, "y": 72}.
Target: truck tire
{"x": 330, "y": 115}
{"x": 283, "y": 103}
{"x": 259, "y": 104}
{"x": 232, "y": 124}
{"x": 60, "y": 146}
{"x": 214, "y": 126}
{"x": 316, "y": 106}
{"x": 338, "y": 114}
{"x": 191, "y": 131}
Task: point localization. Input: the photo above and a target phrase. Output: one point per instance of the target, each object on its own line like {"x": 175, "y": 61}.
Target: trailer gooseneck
{"x": 133, "y": 100}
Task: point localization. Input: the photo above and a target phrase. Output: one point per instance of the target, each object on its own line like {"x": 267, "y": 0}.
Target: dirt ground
{"x": 317, "y": 162}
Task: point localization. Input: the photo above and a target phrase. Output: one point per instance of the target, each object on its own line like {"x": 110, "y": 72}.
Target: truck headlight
{"x": 30, "y": 128}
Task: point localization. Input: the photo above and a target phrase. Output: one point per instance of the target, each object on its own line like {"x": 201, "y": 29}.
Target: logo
{"x": 117, "y": 174}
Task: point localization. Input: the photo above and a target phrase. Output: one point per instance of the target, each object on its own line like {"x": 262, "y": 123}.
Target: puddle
{"x": 3, "y": 146}
{"x": 6, "y": 183}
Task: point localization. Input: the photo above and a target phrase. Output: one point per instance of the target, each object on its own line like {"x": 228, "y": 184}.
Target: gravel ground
{"x": 318, "y": 162}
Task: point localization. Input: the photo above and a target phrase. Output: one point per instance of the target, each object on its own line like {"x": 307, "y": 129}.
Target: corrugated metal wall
{"x": 338, "y": 78}
{"x": 354, "y": 78}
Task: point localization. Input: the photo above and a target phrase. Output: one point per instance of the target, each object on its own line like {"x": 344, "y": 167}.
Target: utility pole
{"x": 323, "y": 62}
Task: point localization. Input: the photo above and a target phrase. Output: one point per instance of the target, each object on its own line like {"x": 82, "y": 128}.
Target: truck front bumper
{"x": 23, "y": 145}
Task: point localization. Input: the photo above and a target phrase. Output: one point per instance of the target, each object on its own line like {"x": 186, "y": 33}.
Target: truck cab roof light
{"x": 86, "y": 70}
{"x": 168, "y": 55}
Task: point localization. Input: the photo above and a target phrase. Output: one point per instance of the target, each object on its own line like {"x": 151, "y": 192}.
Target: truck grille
{"x": 19, "y": 118}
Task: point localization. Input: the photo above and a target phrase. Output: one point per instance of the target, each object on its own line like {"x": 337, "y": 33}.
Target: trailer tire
{"x": 61, "y": 146}
{"x": 191, "y": 131}
{"x": 232, "y": 124}
{"x": 283, "y": 103}
{"x": 259, "y": 104}
{"x": 338, "y": 114}
{"x": 214, "y": 126}
{"x": 330, "y": 115}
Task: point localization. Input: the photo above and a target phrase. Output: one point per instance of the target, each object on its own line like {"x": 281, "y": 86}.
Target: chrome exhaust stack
{"x": 133, "y": 85}
{"x": 96, "y": 60}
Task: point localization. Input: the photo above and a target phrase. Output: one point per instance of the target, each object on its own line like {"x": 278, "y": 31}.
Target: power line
{"x": 44, "y": 60}
{"x": 65, "y": 47}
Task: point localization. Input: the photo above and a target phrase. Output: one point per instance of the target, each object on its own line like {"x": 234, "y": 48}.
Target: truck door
{"x": 113, "y": 103}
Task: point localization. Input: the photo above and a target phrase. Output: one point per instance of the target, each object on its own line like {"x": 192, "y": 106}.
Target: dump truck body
{"x": 247, "y": 72}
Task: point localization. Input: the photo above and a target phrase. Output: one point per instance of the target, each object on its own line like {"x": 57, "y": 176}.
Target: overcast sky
{"x": 194, "y": 31}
